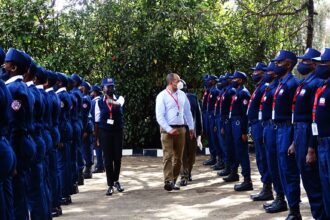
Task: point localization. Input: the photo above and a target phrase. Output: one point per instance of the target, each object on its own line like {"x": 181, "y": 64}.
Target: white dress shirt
{"x": 173, "y": 109}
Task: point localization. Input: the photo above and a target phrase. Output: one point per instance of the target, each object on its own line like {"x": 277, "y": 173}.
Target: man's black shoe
{"x": 224, "y": 172}
{"x": 183, "y": 182}
{"x": 190, "y": 178}
{"x": 55, "y": 213}
{"x": 80, "y": 178}
{"x": 210, "y": 162}
{"x": 246, "y": 185}
{"x": 218, "y": 166}
{"x": 265, "y": 194}
{"x": 168, "y": 186}
{"x": 294, "y": 214}
{"x": 109, "y": 191}
{"x": 97, "y": 170}
{"x": 233, "y": 177}
{"x": 88, "y": 173}
{"x": 278, "y": 205}
{"x": 118, "y": 187}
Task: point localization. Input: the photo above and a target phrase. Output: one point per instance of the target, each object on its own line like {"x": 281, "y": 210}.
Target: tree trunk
{"x": 310, "y": 24}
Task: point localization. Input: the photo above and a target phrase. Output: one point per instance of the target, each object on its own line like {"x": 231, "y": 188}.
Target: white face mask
{"x": 180, "y": 85}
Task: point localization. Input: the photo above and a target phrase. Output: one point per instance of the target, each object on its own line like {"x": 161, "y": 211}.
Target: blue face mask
{"x": 322, "y": 71}
{"x": 256, "y": 78}
{"x": 304, "y": 69}
{"x": 280, "y": 70}
{"x": 235, "y": 84}
{"x": 267, "y": 78}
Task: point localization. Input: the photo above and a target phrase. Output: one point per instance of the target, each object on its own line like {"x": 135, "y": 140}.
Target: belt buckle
{"x": 238, "y": 122}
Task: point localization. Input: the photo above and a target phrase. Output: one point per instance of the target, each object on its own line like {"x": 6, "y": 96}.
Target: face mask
{"x": 256, "y": 78}
{"x": 220, "y": 86}
{"x": 235, "y": 84}
{"x": 267, "y": 78}
{"x": 322, "y": 71}
{"x": 304, "y": 69}
{"x": 109, "y": 92}
{"x": 180, "y": 85}
{"x": 280, "y": 70}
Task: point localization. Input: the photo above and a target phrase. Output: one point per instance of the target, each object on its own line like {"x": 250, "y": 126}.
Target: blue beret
{"x": 259, "y": 66}
{"x": 310, "y": 53}
{"x": 27, "y": 58}
{"x": 17, "y": 57}
{"x": 63, "y": 78}
{"x": 284, "y": 54}
{"x": 205, "y": 77}
{"x": 227, "y": 75}
{"x": 76, "y": 78}
{"x": 212, "y": 77}
{"x": 52, "y": 76}
{"x": 222, "y": 78}
{"x": 33, "y": 68}
{"x": 96, "y": 88}
{"x": 325, "y": 56}
{"x": 240, "y": 75}
{"x": 86, "y": 85}
{"x": 108, "y": 82}
{"x": 2, "y": 56}
{"x": 270, "y": 67}
{"x": 70, "y": 80}
{"x": 42, "y": 73}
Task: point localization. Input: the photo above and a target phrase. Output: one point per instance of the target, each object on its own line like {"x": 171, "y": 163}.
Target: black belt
{"x": 178, "y": 126}
{"x": 281, "y": 123}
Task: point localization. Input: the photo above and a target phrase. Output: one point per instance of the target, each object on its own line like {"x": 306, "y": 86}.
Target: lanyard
{"x": 275, "y": 95}
{"x": 233, "y": 99}
{"x": 110, "y": 108}
{"x": 203, "y": 98}
{"x": 295, "y": 96}
{"x": 175, "y": 99}
{"x": 263, "y": 98}
{"x": 216, "y": 103}
{"x": 252, "y": 97}
{"x": 318, "y": 93}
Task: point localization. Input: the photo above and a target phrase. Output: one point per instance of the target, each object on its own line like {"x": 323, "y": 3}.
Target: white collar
{"x": 49, "y": 89}
{"x": 30, "y": 83}
{"x": 96, "y": 98}
{"x": 13, "y": 79}
{"x": 40, "y": 86}
{"x": 60, "y": 90}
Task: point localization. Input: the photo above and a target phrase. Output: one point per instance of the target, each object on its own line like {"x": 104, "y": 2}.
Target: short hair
{"x": 170, "y": 77}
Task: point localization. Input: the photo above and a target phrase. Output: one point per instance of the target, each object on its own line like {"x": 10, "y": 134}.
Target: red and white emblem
{"x": 245, "y": 101}
{"x": 322, "y": 102}
{"x": 16, "y": 105}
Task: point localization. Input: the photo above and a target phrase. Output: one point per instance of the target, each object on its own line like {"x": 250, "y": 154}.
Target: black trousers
{"x": 111, "y": 144}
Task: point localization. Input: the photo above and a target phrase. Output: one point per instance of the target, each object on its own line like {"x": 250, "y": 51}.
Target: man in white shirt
{"x": 172, "y": 109}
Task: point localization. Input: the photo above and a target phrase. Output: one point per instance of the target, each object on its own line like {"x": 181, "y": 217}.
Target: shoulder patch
{"x": 16, "y": 105}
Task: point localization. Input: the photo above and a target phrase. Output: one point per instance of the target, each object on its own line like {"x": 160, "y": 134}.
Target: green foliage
{"x": 138, "y": 42}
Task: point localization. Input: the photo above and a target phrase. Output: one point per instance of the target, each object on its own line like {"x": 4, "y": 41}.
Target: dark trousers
{"x": 88, "y": 150}
{"x": 324, "y": 166}
{"x": 257, "y": 135}
{"x": 212, "y": 137}
{"x": 221, "y": 139}
{"x": 229, "y": 145}
{"x": 112, "y": 144}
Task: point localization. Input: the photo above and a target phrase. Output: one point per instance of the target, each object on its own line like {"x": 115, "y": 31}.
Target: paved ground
{"x": 207, "y": 197}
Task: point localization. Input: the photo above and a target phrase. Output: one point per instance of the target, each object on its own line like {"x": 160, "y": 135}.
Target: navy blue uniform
{"x": 88, "y": 130}
{"x": 219, "y": 125}
{"x": 23, "y": 145}
{"x": 212, "y": 138}
{"x": 323, "y": 127}
{"x": 77, "y": 163}
{"x": 282, "y": 116}
{"x": 257, "y": 132}
{"x": 269, "y": 136}
{"x": 239, "y": 126}
{"x": 7, "y": 157}
{"x": 304, "y": 99}
{"x": 204, "y": 111}
{"x": 99, "y": 155}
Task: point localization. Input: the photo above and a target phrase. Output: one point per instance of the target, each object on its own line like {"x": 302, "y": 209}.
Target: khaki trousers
{"x": 189, "y": 156}
{"x": 173, "y": 146}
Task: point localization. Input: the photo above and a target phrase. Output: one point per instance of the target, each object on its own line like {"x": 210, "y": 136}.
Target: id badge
{"x": 292, "y": 118}
{"x": 315, "y": 132}
{"x": 260, "y": 115}
{"x": 273, "y": 115}
{"x": 229, "y": 114}
{"x": 110, "y": 121}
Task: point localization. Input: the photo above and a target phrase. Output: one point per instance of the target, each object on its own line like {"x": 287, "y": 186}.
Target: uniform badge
{"x": 302, "y": 92}
{"x": 210, "y": 96}
{"x": 281, "y": 91}
{"x": 84, "y": 105}
{"x": 265, "y": 98}
{"x": 245, "y": 102}
{"x": 16, "y": 105}
{"x": 62, "y": 104}
{"x": 235, "y": 97}
{"x": 322, "y": 102}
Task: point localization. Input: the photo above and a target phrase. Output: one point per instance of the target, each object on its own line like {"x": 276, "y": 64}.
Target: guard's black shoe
{"x": 294, "y": 214}
{"x": 183, "y": 182}
{"x": 210, "y": 162}
{"x": 278, "y": 205}
{"x": 265, "y": 194}
{"x": 75, "y": 189}
{"x": 224, "y": 172}
{"x": 69, "y": 199}
{"x": 55, "y": 213}
{"x": 59, "y": 209}
{"x": 118, "y": 187}
{"x": 218, "y": 166}
{"x": 168, "y": 186}
{"x": 65, "y": 201}
{"x": 98, "y": 170}
{"x": 80, "y": 178}
{"x": 88, "y": 173}
{"x": 109, "y": 191}
{"x": 190, "y": 178}
{"x": 246, "y": 185}
{"x": 233, "y": 177}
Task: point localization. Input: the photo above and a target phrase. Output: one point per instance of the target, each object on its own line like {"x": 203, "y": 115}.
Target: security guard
{"x": 109, "y": 124}
{"x": 96, "y": 95}
{"x": 225, "y": 101}
{"x": 215, "y": 151}
{"x": 87, "y": 129}
{"x": 77, "y": 120}
{"x": 239, "y": 122}
{"x": 302, "y": 144}
{"x": 65, "y": 128}
{"x": 38, "y": 202}
{"x": 7, "y": 155}
{"x": 269, "y": 137}
{"x": 282, "y": 117}
{"x": 256, "y": 131}
{"x": 320, "y": 125}
{"x": 54, "y": 173}
{"x": 20, "y": 122}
